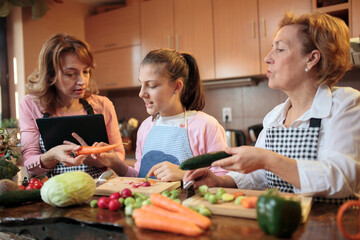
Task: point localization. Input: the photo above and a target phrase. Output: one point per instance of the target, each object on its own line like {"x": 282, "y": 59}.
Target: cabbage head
{"x": 67, "y": 189}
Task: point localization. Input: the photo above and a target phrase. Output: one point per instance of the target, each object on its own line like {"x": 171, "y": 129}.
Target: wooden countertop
{"x": 83, "y": 222}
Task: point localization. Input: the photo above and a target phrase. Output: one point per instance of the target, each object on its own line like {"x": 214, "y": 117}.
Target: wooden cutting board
{"x": 116, "y": 184}
{"x": 234, "y": 210}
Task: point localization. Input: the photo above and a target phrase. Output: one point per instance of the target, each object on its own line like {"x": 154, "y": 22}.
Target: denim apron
{"x": 60, "y": 167}
{"x": 295, "y": 143}
{"x": 165, "y": 143}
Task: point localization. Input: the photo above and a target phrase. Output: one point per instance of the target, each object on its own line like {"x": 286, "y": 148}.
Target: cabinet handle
{"x": 264, "y": 27}
{"x": 253, "y": 29}
{"x": 169, "y": 41}
{"x": 110, "y": 45}
{"x": 177, "y": 42}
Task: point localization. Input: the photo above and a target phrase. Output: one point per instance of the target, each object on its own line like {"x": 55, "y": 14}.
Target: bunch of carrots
{"x": 167, "y": 215}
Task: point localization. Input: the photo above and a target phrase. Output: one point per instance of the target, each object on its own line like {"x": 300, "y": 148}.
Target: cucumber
{"x": 204, "y": 160}
{"x": 19, "y": 197}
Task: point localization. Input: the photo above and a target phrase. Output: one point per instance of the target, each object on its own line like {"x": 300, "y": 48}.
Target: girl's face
{"x": 286, "y": 62}
{"x": 159, "y": 94}
{"x": 73, "y": 77}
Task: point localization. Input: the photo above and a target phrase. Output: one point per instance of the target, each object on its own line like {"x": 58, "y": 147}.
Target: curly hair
{"x": 41, "y": 83}
{"x": 330, "y": 36}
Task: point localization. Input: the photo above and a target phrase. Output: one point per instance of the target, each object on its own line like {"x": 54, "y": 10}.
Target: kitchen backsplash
{"x": 249, "y": 104}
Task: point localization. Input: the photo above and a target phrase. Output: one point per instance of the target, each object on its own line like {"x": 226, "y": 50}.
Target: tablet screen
{"x": 55, "y": 130}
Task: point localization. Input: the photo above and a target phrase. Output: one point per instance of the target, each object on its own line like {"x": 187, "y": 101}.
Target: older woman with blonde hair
{"x": 63, "y": 85}
{"x": 310, "y": 143}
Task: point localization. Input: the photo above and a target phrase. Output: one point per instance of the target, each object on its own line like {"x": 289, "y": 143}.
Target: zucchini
{"x": 19, "y": 197}
{"x": 204, "y": 160}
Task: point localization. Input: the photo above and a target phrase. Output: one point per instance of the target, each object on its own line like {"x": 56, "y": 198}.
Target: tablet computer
{"x": 55, "y": 130}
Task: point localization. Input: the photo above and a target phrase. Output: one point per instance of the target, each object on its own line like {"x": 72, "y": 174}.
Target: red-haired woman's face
{"x": 286, "y": 63}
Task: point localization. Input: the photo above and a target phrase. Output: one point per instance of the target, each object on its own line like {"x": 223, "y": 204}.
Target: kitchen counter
{"x": 83, "y": 222}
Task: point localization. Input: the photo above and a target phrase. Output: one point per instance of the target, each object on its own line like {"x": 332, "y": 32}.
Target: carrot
{"x": 237, "y": 194}
{"x": 169, "y": 214}
{"x": 148, "y": 220}
{"x": 249, "y": 202}
{"x": 86, "y": 150}
{"x": 163, "y": 202}
{"x": 340, "y": 215}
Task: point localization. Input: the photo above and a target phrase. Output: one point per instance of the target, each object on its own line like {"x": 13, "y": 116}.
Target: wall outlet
{"x": 227, "y": 116}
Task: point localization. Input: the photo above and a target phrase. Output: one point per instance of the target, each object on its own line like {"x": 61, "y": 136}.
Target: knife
{"x": 103, "y": 177}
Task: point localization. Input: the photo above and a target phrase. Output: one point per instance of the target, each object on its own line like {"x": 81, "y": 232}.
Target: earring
{"x": 306, "y": 69}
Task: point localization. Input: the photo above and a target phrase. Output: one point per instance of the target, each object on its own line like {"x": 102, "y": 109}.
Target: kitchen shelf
{"x": 340, "y": 10}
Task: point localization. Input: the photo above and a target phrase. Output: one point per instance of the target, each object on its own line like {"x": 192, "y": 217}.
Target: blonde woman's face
{"x": 286, "y": 63}
{"x": 158, "y": 92}
{"x": 73, "y": 77}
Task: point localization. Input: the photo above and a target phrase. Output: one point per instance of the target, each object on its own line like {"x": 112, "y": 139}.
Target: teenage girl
{"x": 176, "y": 128}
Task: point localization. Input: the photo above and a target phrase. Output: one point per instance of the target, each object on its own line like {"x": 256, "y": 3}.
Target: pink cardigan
{"x": 205, "y": 135}
{"x": 30, "y": 111}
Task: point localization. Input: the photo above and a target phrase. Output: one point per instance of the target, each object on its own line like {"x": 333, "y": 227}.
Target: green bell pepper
{"x": 277, "y": 215}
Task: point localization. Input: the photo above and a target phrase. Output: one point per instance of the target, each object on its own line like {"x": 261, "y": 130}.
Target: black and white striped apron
{"x": 61, "y": 168}
{"x": 295, "y": 143}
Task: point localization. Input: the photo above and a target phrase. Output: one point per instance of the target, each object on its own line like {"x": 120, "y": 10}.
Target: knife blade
{"x": 103, "y": 177}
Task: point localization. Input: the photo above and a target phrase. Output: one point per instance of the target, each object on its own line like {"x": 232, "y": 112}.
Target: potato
{"x": 7, "y": 185}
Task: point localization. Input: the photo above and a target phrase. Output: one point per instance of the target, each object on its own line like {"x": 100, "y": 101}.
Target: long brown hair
{"x": 330, "y": 36}
{"x": 180, "y": 65}
{"x": 41, "y": 83}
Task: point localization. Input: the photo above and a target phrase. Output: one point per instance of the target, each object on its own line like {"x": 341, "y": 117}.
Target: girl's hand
{"x": 88, "y": 159}
{"x": 107, "y": 159}
{"x": 166, "y": 171}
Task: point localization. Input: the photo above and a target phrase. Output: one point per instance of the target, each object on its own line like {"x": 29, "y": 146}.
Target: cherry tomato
{"x": 103, "y": 202}
{"x": 146, "y": 184}
{"x": 22, "y": 187}
{"x": 33, "y": 180}
{"x": 114, "y": 205}
{"x": 126, "y": 192}
{"x": 115, "y": 195}
{"x": 38, "y": 184}
{"x": 30, "y": 186}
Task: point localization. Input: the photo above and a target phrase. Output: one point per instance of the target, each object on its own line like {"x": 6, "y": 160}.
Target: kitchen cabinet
{"x": 236, "y": 38}
{"x": 114, "y": 37}
{"x": 269, "y": 20}
{"x": 355, "y": 18}
{"x": 243, "y": 33}
{"x": 118, "y": 68}
{"x": 113, "y": 29}
{"x": 184, "y": 25}
{"x": 157, "y": 25}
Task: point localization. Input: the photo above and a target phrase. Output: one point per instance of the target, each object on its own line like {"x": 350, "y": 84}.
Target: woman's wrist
{"x": 47, "y": 161}
{"x": 226, "y": 181}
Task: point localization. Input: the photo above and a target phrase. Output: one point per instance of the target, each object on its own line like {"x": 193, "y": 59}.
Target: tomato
{"x": 30, "y": 186}
{"x": 103, "y": 202}
{"x": 114, "y": 205}
{"x": 38, "y": 184}
{"x": 126, "y": 192}
{"x": 22, "y": 187}
{"x": 33, "y": 180}
{"x": 136, "y": 185}
{"x": 146, "y": 184}
{"x": 115, "y": 195}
